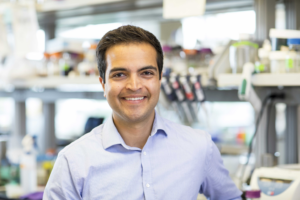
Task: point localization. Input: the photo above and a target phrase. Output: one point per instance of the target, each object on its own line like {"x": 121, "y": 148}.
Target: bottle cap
{"x": 166, "y": 48}
{"x": 253, "y": 194}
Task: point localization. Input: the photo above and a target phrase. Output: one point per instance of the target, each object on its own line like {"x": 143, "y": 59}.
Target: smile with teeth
{"x": 134, "y": 99}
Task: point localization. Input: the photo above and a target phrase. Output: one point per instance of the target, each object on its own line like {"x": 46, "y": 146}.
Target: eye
{"x": 147, "y": 73}
{"x": 118, "y": 75}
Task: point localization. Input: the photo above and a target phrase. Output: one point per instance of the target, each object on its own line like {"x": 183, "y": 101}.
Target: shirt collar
{"x": 158, "y": 125}
{"x": 111, "y": 135}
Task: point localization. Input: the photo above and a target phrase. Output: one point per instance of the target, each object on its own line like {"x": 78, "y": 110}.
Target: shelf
{"x": 232, "y": 149}
{"x": 67, "y": 5}
{"x": 261, "y": 80}
{"x": 229, "y": 80}
{"x": 60, "y": 83}
{"x": 275, "y": 80}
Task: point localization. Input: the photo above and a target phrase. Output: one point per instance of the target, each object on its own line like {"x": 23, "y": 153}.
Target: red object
{"x": 197, "y": 85}
{"x": 175, "y": 85}
{"x": 189, "y": 96}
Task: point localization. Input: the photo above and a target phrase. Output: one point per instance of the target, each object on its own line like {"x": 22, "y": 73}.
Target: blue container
{"x": 293, "y": 41}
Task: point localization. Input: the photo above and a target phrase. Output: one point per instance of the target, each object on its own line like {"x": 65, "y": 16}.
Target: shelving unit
{"x": 265, "y": 84}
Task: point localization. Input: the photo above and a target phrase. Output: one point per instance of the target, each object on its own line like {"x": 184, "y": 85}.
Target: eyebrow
{"x": 148, "y": 67}
{"x": 117, "y": 69}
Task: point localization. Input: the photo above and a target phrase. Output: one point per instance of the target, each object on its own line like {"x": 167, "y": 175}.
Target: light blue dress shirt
{"x": 176, "y": 163}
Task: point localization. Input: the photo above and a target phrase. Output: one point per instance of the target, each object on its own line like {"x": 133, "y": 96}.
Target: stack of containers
{"x": 285, "y": 54}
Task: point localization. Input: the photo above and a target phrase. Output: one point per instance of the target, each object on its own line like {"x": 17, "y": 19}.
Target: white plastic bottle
{"x": 28, "y": 166}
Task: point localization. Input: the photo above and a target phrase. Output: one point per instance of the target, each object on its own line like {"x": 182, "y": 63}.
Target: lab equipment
{"x": 279, "y": 37}
{"x": 294, "y": 45}
{"x": 178, "y": 88}
{"x": 277, "y": 183}
{"x": 240, "y": 53}
{"x": 28, "y": 166}
{"x": 190, "y": 96}
{"x": 278, "y": 61}
{"x": 291, "y": 62}
{"x": 88, "y": 67}
{"x": 253, "y": 195}
{"x": 197, "y": 88}
{"x": 220, "y": 65}
{"x": 263, "y": 65}
{"x": 168, "y": 90}
{"x": 246, "y": 91}
{"x": 53, "y": 64}
{"x": 66, "y": 64}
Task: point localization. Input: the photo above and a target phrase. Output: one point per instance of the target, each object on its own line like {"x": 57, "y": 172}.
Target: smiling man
{"x": 136, "y": 154}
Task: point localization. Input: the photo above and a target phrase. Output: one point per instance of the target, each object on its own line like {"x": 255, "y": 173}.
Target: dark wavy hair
{"x": 126, "y": 35}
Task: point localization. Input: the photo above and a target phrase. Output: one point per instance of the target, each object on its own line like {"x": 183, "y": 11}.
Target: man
{"x": 136, "y": 154}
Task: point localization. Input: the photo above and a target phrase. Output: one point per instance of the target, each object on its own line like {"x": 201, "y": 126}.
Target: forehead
{"x": 132, "y": 53}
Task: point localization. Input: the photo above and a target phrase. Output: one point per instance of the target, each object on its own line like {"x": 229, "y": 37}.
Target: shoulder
{"x": 195, "y": 140}
{"x": 185, "y": 131}
{"x": 84, "y": 145}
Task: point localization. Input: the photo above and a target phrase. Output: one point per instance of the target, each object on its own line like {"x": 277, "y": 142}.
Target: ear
{"x": 103, "y": 85}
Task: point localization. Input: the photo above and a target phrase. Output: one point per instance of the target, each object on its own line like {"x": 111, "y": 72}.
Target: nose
{"x": 133, "y": 83}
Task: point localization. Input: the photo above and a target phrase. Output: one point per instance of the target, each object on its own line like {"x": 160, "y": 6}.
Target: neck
{"x": 134, "y": 134}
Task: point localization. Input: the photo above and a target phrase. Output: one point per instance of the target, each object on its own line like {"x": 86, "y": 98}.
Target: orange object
{"x": 241, "y": 137}
{"x": 93, "y": 46}
{"x": 56, "y": 55}
{"x": 47, "y": 55}
{"x": 51, "y": 152}
{"x": 190, "y": 51}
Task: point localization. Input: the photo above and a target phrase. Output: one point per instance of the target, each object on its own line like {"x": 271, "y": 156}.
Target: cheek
{"x": 154, "y": 87}
{"x": 113, "y": 90}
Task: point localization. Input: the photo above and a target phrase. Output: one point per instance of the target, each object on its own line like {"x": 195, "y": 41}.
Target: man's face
{"x": 132, "y": 83}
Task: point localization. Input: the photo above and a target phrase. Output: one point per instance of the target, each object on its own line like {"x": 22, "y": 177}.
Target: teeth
{"x": 135, "y": 99}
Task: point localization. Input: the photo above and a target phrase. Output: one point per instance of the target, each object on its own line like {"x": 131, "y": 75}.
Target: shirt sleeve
{"x": 61, "y": 184}
{"x": 217, "y": 184}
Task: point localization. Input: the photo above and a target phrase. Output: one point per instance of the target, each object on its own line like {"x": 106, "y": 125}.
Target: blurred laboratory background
{"x": 231, "y": 68}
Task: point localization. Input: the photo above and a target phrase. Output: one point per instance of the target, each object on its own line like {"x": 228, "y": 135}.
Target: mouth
{"x": 134, "y": 99}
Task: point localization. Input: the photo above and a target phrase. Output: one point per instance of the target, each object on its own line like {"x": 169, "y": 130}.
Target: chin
{"x": 137, "y": 116}
{"x": 134, "y": 117}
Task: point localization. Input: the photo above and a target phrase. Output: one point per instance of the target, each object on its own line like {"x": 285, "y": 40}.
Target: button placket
{"x": 145, "y": 158}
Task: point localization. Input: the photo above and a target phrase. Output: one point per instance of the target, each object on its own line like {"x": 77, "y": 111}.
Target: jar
{"x": 278, "y": 61}
{"x": 241, "y": 53}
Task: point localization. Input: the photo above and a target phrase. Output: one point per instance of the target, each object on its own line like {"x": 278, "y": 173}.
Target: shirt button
{"x": 147, "y": 185}
{"x": 145, "y": 153}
